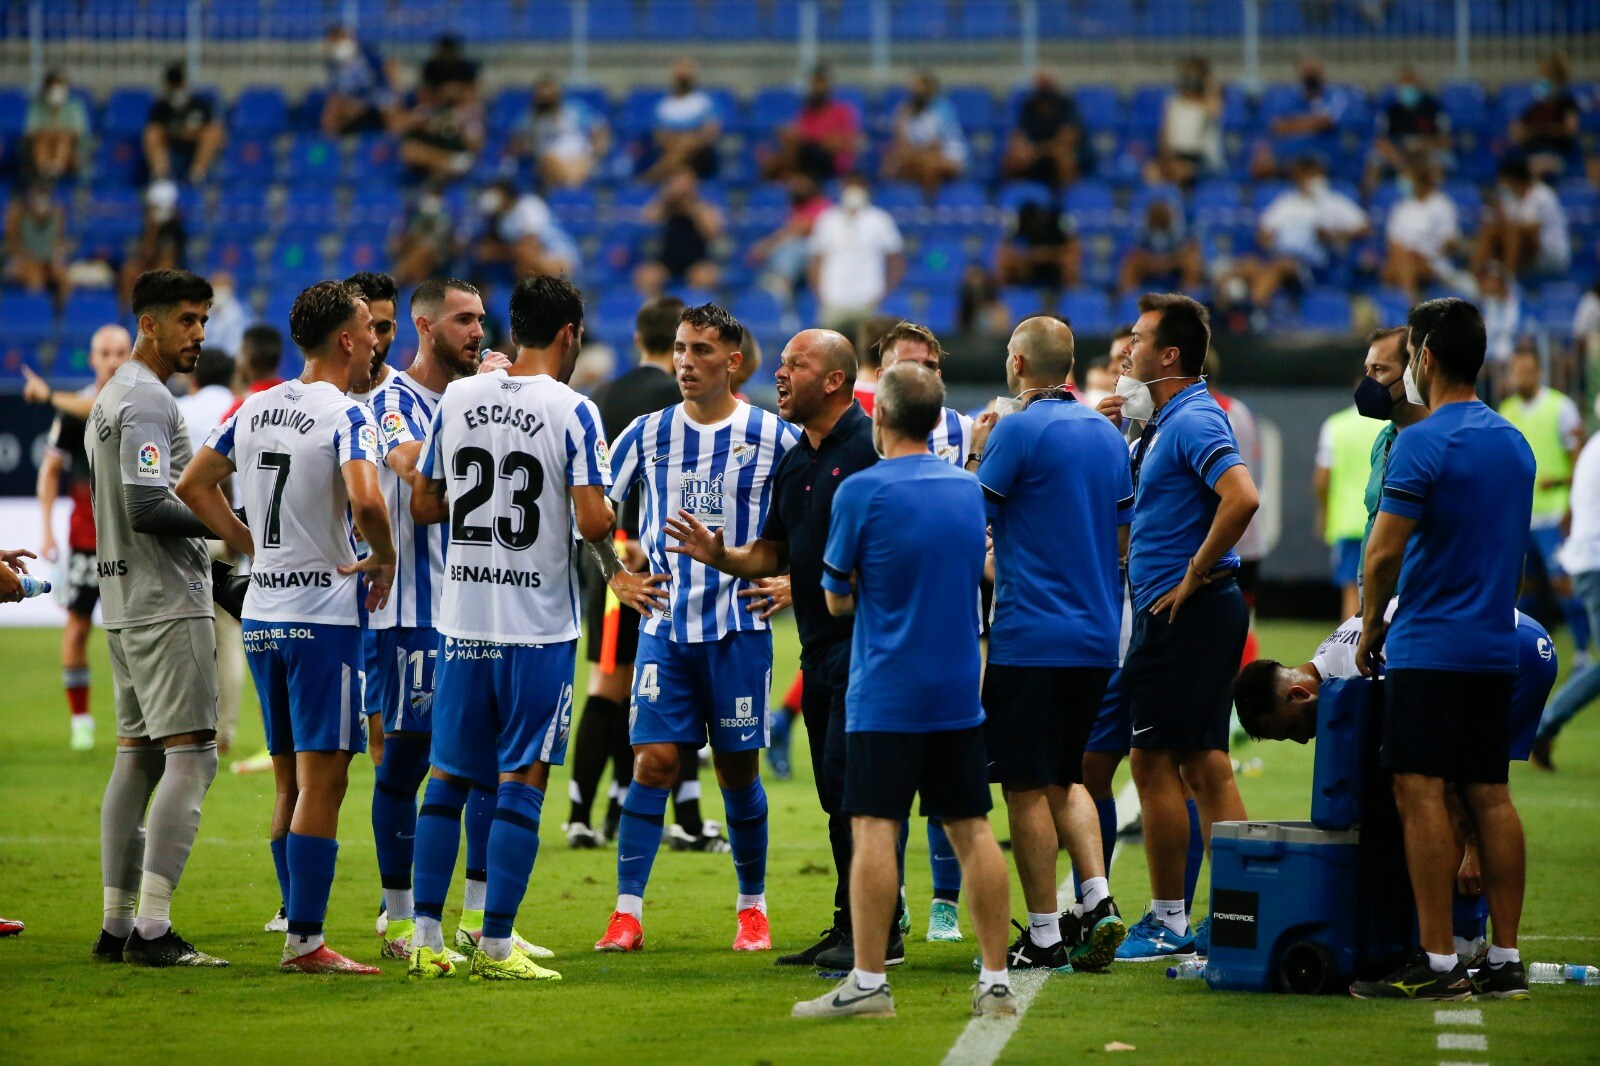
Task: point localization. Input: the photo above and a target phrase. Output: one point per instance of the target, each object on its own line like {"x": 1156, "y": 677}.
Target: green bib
{"x": 1540, "y": 422}
{"x": 1351, "y": 436}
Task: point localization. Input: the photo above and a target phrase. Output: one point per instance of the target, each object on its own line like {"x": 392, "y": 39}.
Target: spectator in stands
{"x": 1586, "y": 317}
{"x": 359, "y": 86}
{"x": 686, "y": 128}
{"x": 1547, "y": 131}
{"x": 518, "y": 229}
{"x": 982, "y": 311}
{"x": 36, "y": 242}
{"x": 1163, "y": 256}
{"x": 929, "y": 148}
{"x": 448, "y": 68}
{"x": 1049, "y": 143}
{"x": 258, "y": 367}
{"x": 163, "y": 242}
{"x": 1304, "y": 231}
{"x": 784, "y": 253}
{"x": 857, "y": 257}
{"x": 686, "y": 243}
{"x": 1041, "y": 249}
{"x": 1525, "y": 227}
{"x": 443, "y": 134}
{"x": 1500, "y": 300}
{"x": 183, "y": 134}
{"x": 565, "y": 138}
{"x": 824, "y": 138}
{"x": 56, "y": 130}
{"x": 230, "y": 316}
{"x": 1422, "y": 232}
{"x": 1413, "y": 124}
{"x": 1191, "y": 126}
{"x": 427, "y": 243}
{"x": 1309, "y": 128}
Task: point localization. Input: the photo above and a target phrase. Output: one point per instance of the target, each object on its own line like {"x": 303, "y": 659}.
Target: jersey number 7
{"x": 278, "y": 462}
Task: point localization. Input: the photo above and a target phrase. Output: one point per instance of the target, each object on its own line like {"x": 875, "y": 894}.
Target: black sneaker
{"x": 808, "y": 957}
{"x": 1417, "y": 980}
{"x": 842, "y": 956}
{"x": 108, "y": 948}
{"x": 1026, "y": 955}
{"x": 1509, "y": 980}
{"x": 1539, "y": 757}
{"x": 1097, "y": 935}
{"x": 168, "y": 949}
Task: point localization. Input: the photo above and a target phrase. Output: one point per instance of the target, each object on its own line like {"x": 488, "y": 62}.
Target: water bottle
{"x": 1555, "y": 973}
{"x": 1187, "y": 970}
{"x": 33, "y": 586}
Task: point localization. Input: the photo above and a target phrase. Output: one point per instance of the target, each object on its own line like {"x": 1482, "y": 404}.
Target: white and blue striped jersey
{"x": 507, "y": 449}
{"x": 721, "y": 474}
{"x": 403, "y": 410}
{"x": 289, "y": 446}
{"x": 951, "y": 439}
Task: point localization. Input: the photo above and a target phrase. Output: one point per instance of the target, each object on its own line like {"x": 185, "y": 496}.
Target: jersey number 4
{"x": 478, "y": 465}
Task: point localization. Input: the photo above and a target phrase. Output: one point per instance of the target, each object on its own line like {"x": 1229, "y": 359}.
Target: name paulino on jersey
{"x": 298, "y": 421}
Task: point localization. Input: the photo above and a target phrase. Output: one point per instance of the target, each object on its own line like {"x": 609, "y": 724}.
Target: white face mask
{"x": 1138, "y": 404}
{"x": 1010, "y": 405}
{"x": 344, "y": 50}
{"x": 56, "y": 95}
{"x": 1413, "y": 393}
{"x": 854, "y": 198}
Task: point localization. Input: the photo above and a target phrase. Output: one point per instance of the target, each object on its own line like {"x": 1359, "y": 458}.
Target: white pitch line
{"x": 981, "y": 1042}
{"x": 1574, "y": 939}
{"x": 1463, "y": 1042}
{"x": 1458, "y": 1017}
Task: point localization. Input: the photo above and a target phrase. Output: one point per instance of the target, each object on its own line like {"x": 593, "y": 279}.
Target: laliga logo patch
{"x": 602, "y": 455}
{"x": 149, "y": 460}
{"x": 743, "y": 453}
{"x": 367, "y": 437}
{"x": 1545, "y": 650}
{"x": 393, "y": 425}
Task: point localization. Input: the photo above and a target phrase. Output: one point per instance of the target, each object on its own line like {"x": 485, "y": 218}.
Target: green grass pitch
{"x": 687, "y": 998}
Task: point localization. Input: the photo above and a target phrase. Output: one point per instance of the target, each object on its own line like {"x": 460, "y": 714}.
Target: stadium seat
{"x": 312, "y": 160}
{"x": 1014, "y": 194}
{"x": 936, "y": 265}
{"x": 671, "y": 20}
{"x": 259, "y": 111}
{"x": 1325, "y": 310}
{"x": 987, "y": 20}
{"x": 375, "y": 204}
{"x": 731, "y": 20}
{"x": 759, "y": 311}
{"x": 1092, "y": 205}
{"x": 612, "y": 20}
{"x": 30, "y": 316}
{"x": 1087, "y": 310}
{"x": 126, "y": 112}
{"x": 312, "y": 205}
{"x": 87, "y": 310}
{"x": 1022, "y": 301}
{"x": 1099, "y": 106}
{"x": 247, "y": 160}
{"x": 942, "y": 311}
{"x": 1557, "y": 304}
{"x": 361, "y": 253}
{"x": 245, "y": 204}
{"x": 926, "y": 20}
{"x": 236, "y": 257}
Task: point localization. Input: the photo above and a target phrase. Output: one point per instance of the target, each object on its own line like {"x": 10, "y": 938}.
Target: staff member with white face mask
{"x": 1193, "y": 499}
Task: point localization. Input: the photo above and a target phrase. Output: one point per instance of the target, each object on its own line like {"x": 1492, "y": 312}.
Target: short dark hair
{"x": 1383, "y": 333}
{"x": 1185, "y": 325}
{"x": 909, "y": 400}
{"x": 261, "y": 348}
{"x": 175, "y": 75}
{"x": 542, "y": 305}
{"x": 1452, "y": 330}
{"x": 160, "y": 289}
{"x": 1255, "y": 694}
{"x": 214, "y": 367}
{"x": 1515, "y": 167}
{"x": 657, "y": 324}
{"x": 320, "y": 310}
{"x": 869, "y": 337}
{"x": 373, "y": 286}
{"x": 431, "y": 293}
{"x": 716, "y": 318}
{"x": 910, "y": 331}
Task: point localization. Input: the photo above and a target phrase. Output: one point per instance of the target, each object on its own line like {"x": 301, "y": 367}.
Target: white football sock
{"x": 400, "y": 903}
{"x": 155, "y": 906}
{"x": 1464, "y": 947}
{"x": 477, "y": 892}
{"x": 497, "y": 948}
{"x": 1499, "y": 956}
{"x": 1094, "y": 890}
{"x": 868, "y": 982}
{"x": 1044, "y": 929}
{"x": 989, "y": 978}
{"x": 1169, "y": 912}
{"x": 304, "y": 945}
{"x": 746, "y": 902}
{"x": 120, "y": 907}
{"x": 1442, "y": 963}
{"x": 633, "y": 905}
{"x": 429, "y": 933}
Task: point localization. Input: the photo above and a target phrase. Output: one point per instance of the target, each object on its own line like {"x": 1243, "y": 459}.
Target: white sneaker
{"x": 848, "y": 1001}
{"x": 382, "y": 924}
{"x": 996, "y": 1000}
{"x": 279, "y": 923}
{"x": 580, "y": 835}
{"x": 82, "y": 732}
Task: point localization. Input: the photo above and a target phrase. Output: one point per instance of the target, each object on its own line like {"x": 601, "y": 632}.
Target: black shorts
{"x": 595, "y": 609}
{"x": 83, "y": 582}
{"x": 884, "y": 770}
{"x": 1448, "y": 724}
{"x": 1037, "y": 721}
{"x": 1179, "y": 675}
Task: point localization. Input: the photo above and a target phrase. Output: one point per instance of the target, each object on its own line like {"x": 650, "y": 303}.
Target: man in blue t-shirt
{"x": 1055, "y": 468}
{"x": 1193, "y": 499}
{"x": 912, "y": 719}
{"x": 1457, "y": 493}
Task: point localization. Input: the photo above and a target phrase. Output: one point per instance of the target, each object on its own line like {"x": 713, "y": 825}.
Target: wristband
{"x": 974, "y": 457}
{"x": 1205, "y": 578}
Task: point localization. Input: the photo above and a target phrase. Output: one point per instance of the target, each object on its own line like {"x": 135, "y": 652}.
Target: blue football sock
{"x": 1469, "y": 915}
{"x": 311, "y": 862}
{"x": 944, "y": 864}
{"x": 394, "y": 807}
{"x": 639, "y": 836}
{"x": 477, "y": 826}
{"x": 1196, "y": 855}
{"x": 513, "y": 846}
{"x": 438, "y": 839}
{"x": 746, "y": 809}
{"x": 280, "y": 863}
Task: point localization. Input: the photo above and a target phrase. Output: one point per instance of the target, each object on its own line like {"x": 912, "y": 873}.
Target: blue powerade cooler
{"x": 1283, "y": 906}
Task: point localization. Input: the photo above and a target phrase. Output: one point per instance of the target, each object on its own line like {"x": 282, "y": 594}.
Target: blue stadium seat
{"x": 259, "y": 111}
{"x": 484, "y": 20}
{"x": 30, "y": 316}
{"x": 637, "y": 115}
{"x": 771, "y": 108}
{"x": 110, "y": 218}
{"x": 299, "y": 20}
{"x": 377, "y": 155}
{"x": 312, "y": 159}
{"x": 1092, "y": 205}
{"x": 312, "y": 206}
{"x": 1145, "y": 109}
{"x": 1579, "y": 200}
{"x": 358, "y": 254}
{"x": 936, "y": 265}
{"x": 987, "y": 20}
{"x": 235, "y": 256}
{"x": 236, "y": 20}
{"x": 13, "y": 112}
{"x": 543, "y": 22}
{"x": 507, "y": 108}
{"x": 118, "y": 161}
{"x": 901, "y": 199}
{"x": 246, "y": 204}
{"x": 614, "y": 314}
{"x": 759, "y": 310}
{"x": 612, "y": 20}
{"x": 925, "y": 20}
{"x": 1325, "y": 310}
{"x": 87, "y": 310}
{"x": 1023, "y": 302}
{"x": 295, "y": 263}
{"x": 1467, "y": 105}
{"x": 1088, "y": 310}
{"x": 671, "y": 20}
{"x": 975, "y": 108}
{"x": 731, "y": 20}
{"x": 942, "y": 311}
{"x": 966, "y": 201}
{"x": 1558, "y": 303}
{"x": 1099, "y": 106}
{"x": 1145, "y": 195}
{"x": 1013, "y": 194}
{"x": 375, "y": 204}
{"x": 247, "y": 161}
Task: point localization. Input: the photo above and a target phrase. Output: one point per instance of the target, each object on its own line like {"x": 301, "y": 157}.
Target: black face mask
{"x": 1374, "y": 400}
{"x": 1312, "y": 85}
